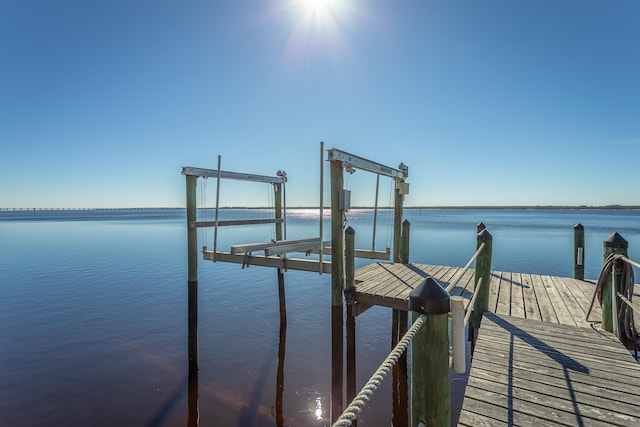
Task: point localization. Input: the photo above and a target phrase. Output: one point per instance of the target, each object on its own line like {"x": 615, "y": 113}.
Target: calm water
{"x": 93, "y": 310}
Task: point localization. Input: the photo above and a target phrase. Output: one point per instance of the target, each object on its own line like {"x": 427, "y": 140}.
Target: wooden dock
{"x": 528, "y": 372}
{"x": 552, "y": 299}
{"x": 537, "y": 360}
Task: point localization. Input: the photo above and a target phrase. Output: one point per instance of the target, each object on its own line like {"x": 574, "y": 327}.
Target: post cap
{"x": 484, "y": 235}
{"x": 481, "y": 226}
{"x": 578, "y": 226}
{"x": 615, "y": 240}
{"x": 429, "y": 297}
{"x": 349, "y": 230}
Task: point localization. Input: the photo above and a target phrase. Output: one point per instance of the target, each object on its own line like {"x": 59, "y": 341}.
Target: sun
{"x": 319, "y": 12}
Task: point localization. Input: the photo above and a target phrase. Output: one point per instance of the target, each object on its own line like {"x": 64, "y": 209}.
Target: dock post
{"x": 192, "y": 280}
{"x": 430, "y": 384}
{"x": 404, "y": 245}
{"x": 277, "y": 188}
{"x": 578, "y": 251}
{"x": 397, "y": 221}
{"x": 337, "y": 288}
{"x": 349, "y": 273}
{"x": 399, "y": 325}
{"x": 483, "y": 270}
{"x": 614, "y": 243}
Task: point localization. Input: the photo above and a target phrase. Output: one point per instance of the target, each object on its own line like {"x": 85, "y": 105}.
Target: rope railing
{"x": 628, "y": 261}
{"x": 461, "y": 273}
{"x": 357, "y": 404}
{"x": 469, "y": 309}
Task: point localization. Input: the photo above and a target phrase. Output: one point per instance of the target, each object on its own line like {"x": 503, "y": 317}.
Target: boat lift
{"x": 275, "y": 252}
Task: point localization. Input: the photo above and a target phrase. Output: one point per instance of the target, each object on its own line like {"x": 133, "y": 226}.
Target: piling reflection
{"x": 193, "y": 417}
{"x": 281, "y": 351}
{"x": 280, "y": 371}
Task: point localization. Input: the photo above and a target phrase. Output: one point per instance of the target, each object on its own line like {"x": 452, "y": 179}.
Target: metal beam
{"x": 284, "y": 263}
{"x": 361, "y": 163}
{"x": 252, "y": 247}
{"x": 238, "y": 176}
{"x": 199, "y": 224}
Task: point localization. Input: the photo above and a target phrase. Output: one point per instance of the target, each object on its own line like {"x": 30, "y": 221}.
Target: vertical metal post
{"x": 337, "y": 288}
{"x": 578, "y": 251}
{"x": 192, "y": 255}
{"x": 321, "y": 204}
{"x": 215, "y": 231}
{"x": 375, "y": 214}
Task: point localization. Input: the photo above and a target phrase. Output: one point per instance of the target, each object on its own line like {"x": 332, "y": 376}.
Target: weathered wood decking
{"x": 561, "y": 300}
{"x": 537, "y": 360}
{"x": 527, "y": 373}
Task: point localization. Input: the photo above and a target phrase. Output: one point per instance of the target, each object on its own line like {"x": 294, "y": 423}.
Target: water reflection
{"x": 193, "y": 419}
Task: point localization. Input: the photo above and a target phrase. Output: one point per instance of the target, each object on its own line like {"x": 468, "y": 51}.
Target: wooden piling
{"x": 281, "y": 289}
{"x": 399, "y": 317}
{"x": 483, "y": 270}
{"x": 404, "y": 246}
{"x": 430, "y": 385}
{"x": 337, "y": 287}
{"x": 399, "y": 320}
{"x": 613, "y": 243}
{"x": 397, "y": 221}
{"x": 578, "y": 251}
{"x": 192, "y": 280}
{"x": 349, "y": 273}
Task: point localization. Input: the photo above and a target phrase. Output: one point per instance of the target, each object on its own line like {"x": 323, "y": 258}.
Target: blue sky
{"x": 502, "y": 102}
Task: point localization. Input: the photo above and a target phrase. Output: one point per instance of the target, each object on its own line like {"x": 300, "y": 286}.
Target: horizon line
{"x": 611, "y": 206}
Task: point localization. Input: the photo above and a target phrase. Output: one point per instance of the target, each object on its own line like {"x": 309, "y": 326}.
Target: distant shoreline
{"x": 536, "y": 207}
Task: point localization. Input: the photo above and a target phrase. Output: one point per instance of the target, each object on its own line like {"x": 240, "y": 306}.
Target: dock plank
{"x": 528, "y": 372}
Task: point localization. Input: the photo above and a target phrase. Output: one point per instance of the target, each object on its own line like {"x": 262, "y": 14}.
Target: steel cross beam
{"x": 212, "y": 173}
{"x": 358, "y": 162}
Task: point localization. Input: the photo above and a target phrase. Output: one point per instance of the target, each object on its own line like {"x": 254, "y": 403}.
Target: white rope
{"x": 356, "y": 406}
{"x": 456, "y": 279}
{"x": 627, "y": 260}
{"x": 476, "y": 291}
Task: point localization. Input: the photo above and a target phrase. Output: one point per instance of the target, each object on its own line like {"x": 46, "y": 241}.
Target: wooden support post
{"x": 281, "y": 290}
{"x": 578, "y": 251}
{"x": 397, "y": 221}
{"x": 349, "y": 273}
{"x": 404, "y": 246}
{"x": 483, "y": 270}
{"x": 614, "y": 243}
{"x": 337, "y": 288}
{"x": 400, "y": 382}
{"x": 430, "y": 384}
{"x": 192, "y": 280}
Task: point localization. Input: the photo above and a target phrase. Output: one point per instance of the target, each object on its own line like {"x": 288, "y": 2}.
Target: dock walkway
{"x": 528, "y": 372}
{"x": 537, "y": 359}
{"x": 552, "y": 299}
